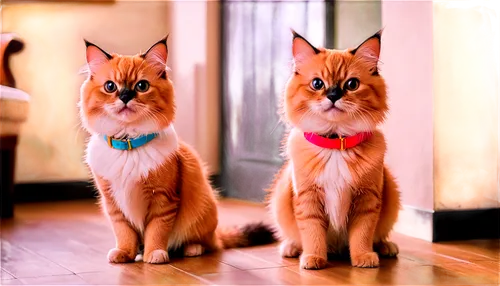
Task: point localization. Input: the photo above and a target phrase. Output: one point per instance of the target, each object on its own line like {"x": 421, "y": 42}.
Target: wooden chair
{"x": 13, "y": 111}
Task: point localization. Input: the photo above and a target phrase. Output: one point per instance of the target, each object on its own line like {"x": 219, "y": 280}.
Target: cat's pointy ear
{"x": 95, "y": 56}
{"x": 158, "y": 52}
{"x": 157, "y": 56}
{"x": 369, "y": 50}
{"x": 301, "y": 48}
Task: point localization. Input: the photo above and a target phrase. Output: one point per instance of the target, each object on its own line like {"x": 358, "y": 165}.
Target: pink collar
{"x": 340, "y": 143}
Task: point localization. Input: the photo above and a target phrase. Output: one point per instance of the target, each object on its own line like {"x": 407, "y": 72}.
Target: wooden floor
{"x": 66, "y": 244}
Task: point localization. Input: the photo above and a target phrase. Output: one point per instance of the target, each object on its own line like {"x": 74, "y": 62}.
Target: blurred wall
{"x": 466, "y": 91}
{"x": 441, "y": 63}
{"x": 354, "y": 21}
{"x": 196, "y": 75}
{"x": 407, "y": 66}
{"x": 52, "y": 143}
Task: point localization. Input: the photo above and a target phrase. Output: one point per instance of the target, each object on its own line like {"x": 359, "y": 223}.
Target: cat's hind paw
{"x": 289, "y": 249}
{"x": 192, "y": 250}
{"x": 387, "y": 248}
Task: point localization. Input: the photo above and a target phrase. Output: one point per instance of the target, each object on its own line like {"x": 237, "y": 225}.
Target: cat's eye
{"x": 142, "y": 86}
{"x": 352, "y": 84}
{"x": 109, "y": 86}
{"x": 317, "y": 84}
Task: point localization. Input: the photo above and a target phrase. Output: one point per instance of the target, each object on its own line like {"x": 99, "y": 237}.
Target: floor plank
{"x": 269, "y": 254}
{"x": 245, "y": 261}
{"x": 492, "y": 265}
{"x": 283, "y": 275}
{"x": 486, "y": 249}
{"x": 4, "y": 275}
{"x": 236, "y": 278}
{"x": 22, "y": 263}
{"x": 436, "y": 275}
{"x": 72, "y": 279}
{"x": 340, "y": 273}
{"x": 66, "y": 244}
{"x": 11, "y": 282}
{"x": 472, "y": 270}
{"x": 209, "y": 263}
{"x": 427, "y": 253}
{"x": 141, "y": 274}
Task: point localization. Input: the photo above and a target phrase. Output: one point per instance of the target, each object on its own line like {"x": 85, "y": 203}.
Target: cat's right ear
{"x": 301, "y": 48}
{"x": 157, "y": 56}
{"x": 95, "y": 56}
{"x": 158, "y": 53}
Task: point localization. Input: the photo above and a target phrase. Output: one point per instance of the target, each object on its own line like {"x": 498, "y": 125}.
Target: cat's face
{"x": 127, "y": 95}
{"x": 335, "y": 91}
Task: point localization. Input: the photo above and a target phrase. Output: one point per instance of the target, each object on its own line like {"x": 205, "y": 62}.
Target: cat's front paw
{"x": 365, "y": 260}
{"x": 289, "y": 249}
{"x": 387, "y": 248}
{"x": 157, "y": 256}
{"x": 311, "y": 261}
{"x": 117, "y": 255}
{"x": 192, "y": 250}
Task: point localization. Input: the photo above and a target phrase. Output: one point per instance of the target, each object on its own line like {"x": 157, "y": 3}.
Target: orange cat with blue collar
{"x": 152, "y": 186}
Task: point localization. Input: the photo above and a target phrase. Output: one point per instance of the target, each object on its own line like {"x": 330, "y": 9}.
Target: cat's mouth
{"x": 333, "y": 107}
{"x": 125, "y": 110}
{"x": 333, "y": 110}
{"x": 330, "y": 108}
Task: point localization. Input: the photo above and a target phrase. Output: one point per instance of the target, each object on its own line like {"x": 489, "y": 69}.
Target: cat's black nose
{"x": 126, "y": 95}
{"x": 334, "y": 93}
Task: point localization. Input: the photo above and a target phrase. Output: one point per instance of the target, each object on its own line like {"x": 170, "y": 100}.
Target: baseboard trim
{"x": 415, "y": 222}
{"x": 466, "y": 224}
{"x": 440, "y": 226}
{"x": 53, "y": 191}
{"x": 65, "y": 191}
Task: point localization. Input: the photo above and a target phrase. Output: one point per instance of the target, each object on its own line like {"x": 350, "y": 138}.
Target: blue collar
{"x": 129, "y": 144}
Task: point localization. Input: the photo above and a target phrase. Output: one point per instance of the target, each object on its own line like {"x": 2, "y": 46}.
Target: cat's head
{"x": 127, "y": 95}
{"x": 333, "y": 91}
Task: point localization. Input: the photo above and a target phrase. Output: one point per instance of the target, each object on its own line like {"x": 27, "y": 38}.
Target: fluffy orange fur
{"x": 157, "y": 195}
{"x": 329, "y": 200}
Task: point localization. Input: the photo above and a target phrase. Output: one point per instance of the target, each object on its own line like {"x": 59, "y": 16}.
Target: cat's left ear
{"x": 158, "y": 53}
{"x": 95, "y": 56}
{"x": 301, "y": 48}
{"x": 369, "y": 50}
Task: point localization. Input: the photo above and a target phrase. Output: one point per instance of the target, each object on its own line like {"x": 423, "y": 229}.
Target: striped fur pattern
{"x": 327, "y": 200}
{"x": 157, "y": 197}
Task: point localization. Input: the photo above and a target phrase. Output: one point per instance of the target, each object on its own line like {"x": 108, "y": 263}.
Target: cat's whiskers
{"x": 79, "y": 129}
{"x": 361, "y": 117}
{"x": 363, "y": 112}
{"x": 150, "y": 115}
{"x": 313, "y": 114}
{"x": 306, "y": 113}
{"x": 99, "y": 117}
{"x": 354, "y": 112}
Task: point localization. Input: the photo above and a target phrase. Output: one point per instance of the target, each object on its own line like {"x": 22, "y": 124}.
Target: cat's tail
{"x": 247, "y": 235}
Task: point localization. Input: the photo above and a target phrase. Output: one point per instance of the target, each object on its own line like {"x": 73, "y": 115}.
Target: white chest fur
{"x": 335, "y": 179}
{"x": 124, "y": 170}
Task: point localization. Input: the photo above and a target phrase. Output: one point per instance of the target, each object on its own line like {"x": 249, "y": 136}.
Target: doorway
{"x": 256, "y": 54}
